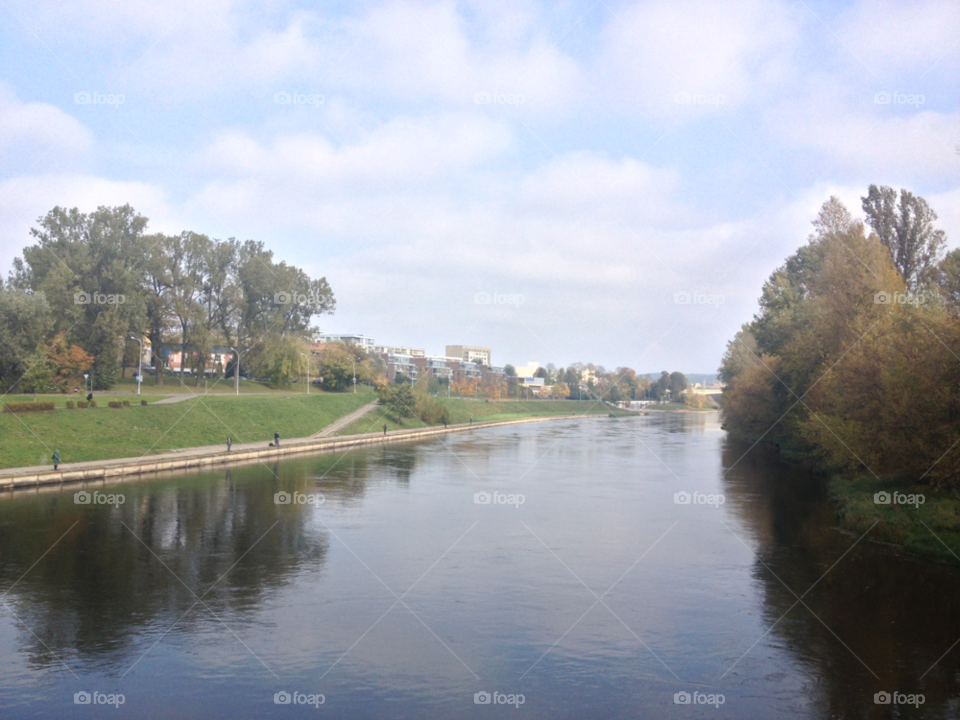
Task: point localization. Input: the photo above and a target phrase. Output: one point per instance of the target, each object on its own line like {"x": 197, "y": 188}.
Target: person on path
{"x": 56, "y": 459}
{"x": 276, "y": 439}
{"x": 384, "y": 430}
{"x": 229, "y": 443}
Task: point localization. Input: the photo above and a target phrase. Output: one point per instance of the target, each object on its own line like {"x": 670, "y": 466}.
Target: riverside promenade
{"x": 115, "y": 470}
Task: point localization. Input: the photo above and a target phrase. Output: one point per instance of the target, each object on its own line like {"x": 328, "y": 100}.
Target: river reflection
{"x": 402, "y": 596}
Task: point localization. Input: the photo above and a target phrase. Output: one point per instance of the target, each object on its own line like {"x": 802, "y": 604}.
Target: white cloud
{"x": 24, "y": 199}
{"x": 38, "y": 135}
{"x": 885, "y": 142}
{"x": 910, "y": 39}
{"x": 655, "y": 49}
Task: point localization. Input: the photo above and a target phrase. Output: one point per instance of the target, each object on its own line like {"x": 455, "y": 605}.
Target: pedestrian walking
{"x": 384, "y": 430}
{"x": 276, "y": 439}
{"x": 229, "y": 443}
{"x": 56, "y": 459}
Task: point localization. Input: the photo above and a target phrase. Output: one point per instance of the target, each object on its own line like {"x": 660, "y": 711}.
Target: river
{"x": 388, "y": 587}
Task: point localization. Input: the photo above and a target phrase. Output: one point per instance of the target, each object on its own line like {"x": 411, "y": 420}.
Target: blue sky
{"x": 580, "y": 163}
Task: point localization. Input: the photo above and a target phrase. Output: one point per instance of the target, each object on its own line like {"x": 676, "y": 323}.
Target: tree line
{"x": 854, "y": 355}
{"x": 579, "y": 381}
{"x": 92, "y": 281}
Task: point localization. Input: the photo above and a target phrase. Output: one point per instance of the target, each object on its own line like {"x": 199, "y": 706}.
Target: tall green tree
{"x": 905, "y": 226}
{"x": 89, "y": 267}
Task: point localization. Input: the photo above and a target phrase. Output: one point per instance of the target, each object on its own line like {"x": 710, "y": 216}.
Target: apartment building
{"x": 469, "y": 353}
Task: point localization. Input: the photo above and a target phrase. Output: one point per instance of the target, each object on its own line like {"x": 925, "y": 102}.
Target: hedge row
{"x": 22, "y": 407}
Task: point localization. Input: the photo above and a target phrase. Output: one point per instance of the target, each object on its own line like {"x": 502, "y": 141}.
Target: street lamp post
{"x": 85, "y": 376}
{"x": 139, "y": 365}
{"x": 354, "y": 376}
{"x": 308, "y": 371}
{"x": 236, "y": 370}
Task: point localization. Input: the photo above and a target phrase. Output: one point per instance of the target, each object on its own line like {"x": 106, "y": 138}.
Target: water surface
{"x": 400, "y": 596}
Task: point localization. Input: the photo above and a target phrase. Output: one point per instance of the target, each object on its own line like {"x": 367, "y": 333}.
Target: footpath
{"x": 213, "y": 455}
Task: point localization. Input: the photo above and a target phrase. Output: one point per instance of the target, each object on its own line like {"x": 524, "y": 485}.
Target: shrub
{"x": 93, "y": 403}
{"x": 30, "y": 406}
{"x": 126, "y": 403}
{"x": 70, "y": 404}
{"x": 143, "y": 402}
{"x": 82, "y": 404}
{"x": 115, "y": 404}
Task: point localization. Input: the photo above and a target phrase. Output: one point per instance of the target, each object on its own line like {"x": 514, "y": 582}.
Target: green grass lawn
{"x": 60, "y": 400}
{"x": 172, "y": 386}
{"x": 930, "y": 529}
{"x": 103, "y": 432}
{"x": 460, "y": 411}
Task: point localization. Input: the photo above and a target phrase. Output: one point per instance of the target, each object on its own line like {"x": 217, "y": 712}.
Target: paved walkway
{"x": 346, "y": 421}
{"x": 199, "y": 457}
{"x": 174, "y": 399}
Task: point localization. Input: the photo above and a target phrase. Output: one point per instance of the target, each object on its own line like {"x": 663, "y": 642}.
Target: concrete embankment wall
{"x": 170, "y": 463}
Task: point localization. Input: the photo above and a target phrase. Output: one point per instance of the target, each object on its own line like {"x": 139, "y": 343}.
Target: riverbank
{"x": 115, "y": 471}
{"x": 462, "y": 410}
{"x": 104, "y": 433}
{"x": 922, "y": 520}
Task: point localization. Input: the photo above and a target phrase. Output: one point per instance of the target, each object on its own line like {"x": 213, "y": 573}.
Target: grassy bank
{"x": 930, "y": 529}
{"x": 172, "y": 386}
{"x": 103, "y": 432}
{"x": 460, "y": 411}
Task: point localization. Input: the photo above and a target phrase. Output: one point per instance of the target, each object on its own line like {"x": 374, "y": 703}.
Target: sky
{"x": 599, "y": 181}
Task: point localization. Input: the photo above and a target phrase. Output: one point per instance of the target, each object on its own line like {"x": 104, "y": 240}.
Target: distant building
{"x": 529, "y": 370}
{"x": 469, "y": 353}
{"x": 397, "y": 350}
{"x": 362, "y": 340}
{"x": 454, "y": 369}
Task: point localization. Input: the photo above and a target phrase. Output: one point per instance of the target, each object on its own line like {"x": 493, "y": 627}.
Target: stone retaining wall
{"x": 203, "y": 458}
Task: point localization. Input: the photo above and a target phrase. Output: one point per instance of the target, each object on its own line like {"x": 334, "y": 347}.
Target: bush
{"x": 82, "y": 404}
{"x": 126, "y": 403}
{"x": 93, "y": 403}
{"x": 143, "y": 402}
{"x": 22, "y": 407}
{"x": 70, "y": 404}
{"x": 115, "y": 404}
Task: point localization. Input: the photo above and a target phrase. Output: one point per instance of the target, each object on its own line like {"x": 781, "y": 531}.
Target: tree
{"x": 678, "y": 385}
{"x": 89, "y": 268}
{"x": 25, "y": 322}
{"x": 336, "y": 364}
{"x": 57, "y": 367}
{"x": 948, "y": 281}
{"x": 509, "y": 370}
{"x": 906, "y": 228}
{"x": 561, "y": 390}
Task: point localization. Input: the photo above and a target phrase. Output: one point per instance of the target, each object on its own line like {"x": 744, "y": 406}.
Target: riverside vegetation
{"x": 852, "y": 364}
